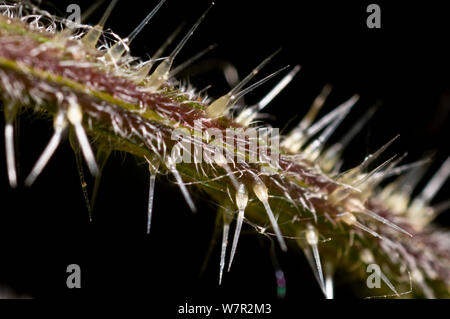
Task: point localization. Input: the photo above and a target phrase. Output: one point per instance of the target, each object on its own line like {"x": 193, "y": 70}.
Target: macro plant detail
{"x": 103, "y": 99}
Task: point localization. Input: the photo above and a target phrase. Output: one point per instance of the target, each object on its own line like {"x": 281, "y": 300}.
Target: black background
{"x": 405, "y": 65}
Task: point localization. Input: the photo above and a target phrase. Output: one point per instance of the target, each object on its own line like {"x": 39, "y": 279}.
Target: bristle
{"x": 329, "y": 285}
{"x": 75, "y": 116}
{"x": 222, "y": 162}
{"x": 191, "y": 60}
{"x": 356, "y": 206}
{"x": 168, "y": 41}
{"x": 315, "y": 108}
{"x": 114, "y": 102}
{"x": 397, "y": 194}
{"x": 10, "y": 111}
{"x": 371, "y": 157}
{"x": 171, "y": 165}
{"x": 144, "y": 22}
{"x": 400, "y": 170}
{"x": 369, "y": 186}
{"x": 314, "y": 149}
{"x": 80, "y": 170}
{"x": 418, "y": 210}
{"x": 240, "y": 94}
{"x": 352, "y": 174}
{"x": 297, "y": 137}
{"x": 68, "y": 32}
{"x": 245, "y": 91}
{"x": 254, "y": 72}
{"x": 10, "y": 154}
{"x": 102, "y": 156}
{"x": 153, "y": 166}
{"x": 312, "y": 238}
{"x": 297, "y": 134}
{"x": 388, "y": 283}
{"x": 351, "y": 220}
{"x": 143, "y": 71}
{"x": 249, "y": 114}
{"x": 60, "y": 125}
{"x": 405, "y": 185}
{"x": 332, "y": 155}
{"x": 226, "y": 231}
{"x": 91, "y": 9}
{"x": 278, "y": 88}
{"x": 91, "y": 38}
{"x": 119, "y": 49}
{"x": 373, "y": 174}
